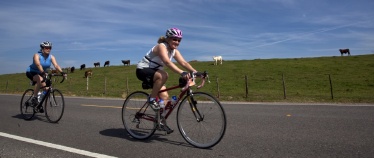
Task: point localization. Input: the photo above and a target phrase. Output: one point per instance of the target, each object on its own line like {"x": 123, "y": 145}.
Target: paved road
{"x": 94, "y": 127}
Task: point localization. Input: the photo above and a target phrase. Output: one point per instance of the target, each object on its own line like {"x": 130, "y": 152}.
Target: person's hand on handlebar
{"x": 43, "y": 74}
{"x": 185, "y": 75}
{"x": 64, "y": 74}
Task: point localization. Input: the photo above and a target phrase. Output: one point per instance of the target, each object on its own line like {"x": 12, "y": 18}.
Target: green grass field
{"x": 305, "y": 80}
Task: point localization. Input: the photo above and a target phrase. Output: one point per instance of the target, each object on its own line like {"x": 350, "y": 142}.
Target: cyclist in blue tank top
{"x": 36, "y": 71}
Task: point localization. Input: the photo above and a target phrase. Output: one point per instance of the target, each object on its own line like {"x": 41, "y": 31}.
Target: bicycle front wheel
{"x": 54, "y": 106}
{"x": 201, "y": 120}
{"x": 138, "y": 117}
{"x": 27, "y": 110}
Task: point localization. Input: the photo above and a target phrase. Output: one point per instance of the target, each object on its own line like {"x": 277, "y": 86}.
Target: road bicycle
{"x": 53, "y": 101}
{"x": 201, "y": 119}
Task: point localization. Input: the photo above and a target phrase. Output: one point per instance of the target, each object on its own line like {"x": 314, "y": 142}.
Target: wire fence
{"x": 277, "y": 87}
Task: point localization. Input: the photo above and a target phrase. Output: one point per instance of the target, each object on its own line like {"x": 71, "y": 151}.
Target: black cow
{"x": 83, "y": 66}
{"x": 343, "y": 51}
{"x": 97, "y": 64}
{"x": 106, "y": 63}
{"x": 72, "y": 69}
{"x": 126, "y": 62}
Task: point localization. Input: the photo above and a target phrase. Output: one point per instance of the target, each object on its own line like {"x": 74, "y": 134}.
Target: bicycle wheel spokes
{"x": 138, "y": 119}
{"x": 55, "y": 106}
{"x": 27, "y": 110}
{"x": 207, "y": 130}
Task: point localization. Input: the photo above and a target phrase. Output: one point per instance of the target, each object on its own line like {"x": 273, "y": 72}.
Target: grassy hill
{"x": 268, "y": 80}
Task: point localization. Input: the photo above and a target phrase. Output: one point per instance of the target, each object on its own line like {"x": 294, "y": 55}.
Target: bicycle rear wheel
{"x": 55, "y": 105}
{"x": 138, "y": 117}
{"x": 211, "y": 126}
{"x": 27, "y": 110}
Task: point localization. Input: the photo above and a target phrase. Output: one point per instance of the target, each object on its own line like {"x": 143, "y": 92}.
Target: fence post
{"x": 218, "y": 88}
{"x": 6, "y": 87}
{"x": 284, "y": 87}
{"x": 246, "y": 86}
{"x": 87, "y": 84}
{"x": 332, "y": 95}
{"x": 127, "y": 86}
{"x": 105, "y": 85}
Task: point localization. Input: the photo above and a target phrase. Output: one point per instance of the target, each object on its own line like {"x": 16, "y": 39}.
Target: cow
{"x": 106, "y": 63}
{"x": 66, "y": 69}
{"x": 54, "y": 72}
{"x": 72, "y": 69}
{"x": 97, "y": 64}
{"x": 217, "y": 59}
{"x": 88, "y": 73}
{"x": 343, "y": 51}
{"x": 83, "y": 66}
{"x": 126, "y": 62}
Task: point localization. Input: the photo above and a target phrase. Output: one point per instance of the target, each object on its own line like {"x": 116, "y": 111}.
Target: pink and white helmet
{"x": 174, "y": 32}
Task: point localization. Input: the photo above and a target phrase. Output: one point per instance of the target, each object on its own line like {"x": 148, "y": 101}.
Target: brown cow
{"x": 88, "y": 73}
{"x": 343, "y": 51}
{"x": 126, "y": 62}
{"x": 54, "y": 72}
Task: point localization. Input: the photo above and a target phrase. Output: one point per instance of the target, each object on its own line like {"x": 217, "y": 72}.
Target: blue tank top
{"x": 45, "y": 62}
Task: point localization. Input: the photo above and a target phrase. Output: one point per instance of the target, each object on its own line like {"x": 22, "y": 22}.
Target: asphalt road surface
{"x": 92, "y": 127}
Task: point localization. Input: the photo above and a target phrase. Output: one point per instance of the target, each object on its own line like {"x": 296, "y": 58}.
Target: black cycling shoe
{"x": 154, "y": 105}
{"x": 40, "y": 109}
{"x": 34, "y": 101}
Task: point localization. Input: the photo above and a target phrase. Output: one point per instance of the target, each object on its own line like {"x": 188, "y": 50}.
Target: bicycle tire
{"x": 138, "y": 118}
{"x": 27, "y": 110}
{"x": 54, "y": 106}
{"x": 208, "y": 132}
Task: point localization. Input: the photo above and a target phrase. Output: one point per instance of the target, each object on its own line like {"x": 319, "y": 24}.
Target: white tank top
{"x": 151, "y": 60}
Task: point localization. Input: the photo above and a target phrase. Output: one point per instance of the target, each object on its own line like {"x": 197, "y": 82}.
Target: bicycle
{"x": 53, "y": 97}
{"x": 201, "y": 119}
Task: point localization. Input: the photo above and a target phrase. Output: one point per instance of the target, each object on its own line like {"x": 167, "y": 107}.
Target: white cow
{"x": 217, "y": 59}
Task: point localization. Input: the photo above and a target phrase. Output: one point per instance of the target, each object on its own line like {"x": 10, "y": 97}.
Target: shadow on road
{"x": 38, "y": 116}
{"x": 121, "y": 133}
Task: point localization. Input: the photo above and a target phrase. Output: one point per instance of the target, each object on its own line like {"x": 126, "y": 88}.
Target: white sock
{"x": 152, "y": 99}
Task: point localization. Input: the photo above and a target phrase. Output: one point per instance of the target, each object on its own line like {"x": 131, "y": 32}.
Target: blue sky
{"x": 88, "y": 31}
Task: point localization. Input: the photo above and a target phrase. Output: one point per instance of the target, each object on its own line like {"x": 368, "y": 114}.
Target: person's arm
{"x": 162, "y": 52}
{"x": 179, "y": 58}
{"x": 54, "y": 62}
{"x": 36, "y": 61}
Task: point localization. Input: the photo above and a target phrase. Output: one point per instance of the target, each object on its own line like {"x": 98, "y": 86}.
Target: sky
{"x": 88, "y": 31}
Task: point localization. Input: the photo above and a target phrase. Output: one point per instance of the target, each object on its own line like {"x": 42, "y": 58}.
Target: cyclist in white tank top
{"x": 150, "y": 68}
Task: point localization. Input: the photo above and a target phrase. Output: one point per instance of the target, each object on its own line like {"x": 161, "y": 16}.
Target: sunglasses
{"x": 47, "y": 47}
{"x": 177, "y": 39}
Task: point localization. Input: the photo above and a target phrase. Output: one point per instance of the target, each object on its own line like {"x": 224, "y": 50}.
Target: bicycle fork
{"x": 194, "y": 109}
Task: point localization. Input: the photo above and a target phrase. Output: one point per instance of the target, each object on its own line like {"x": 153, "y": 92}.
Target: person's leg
{"x": 159, "y": 79}
{"x": 38, "y": 79}
{"x": 164, "y": 95}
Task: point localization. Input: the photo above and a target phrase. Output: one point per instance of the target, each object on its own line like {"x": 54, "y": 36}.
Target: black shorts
{"x": 146, "y": 75}
{"x": 31, "y": 75}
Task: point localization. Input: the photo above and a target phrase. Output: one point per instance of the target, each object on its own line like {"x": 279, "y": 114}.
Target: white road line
{"x": 56, "y": 146}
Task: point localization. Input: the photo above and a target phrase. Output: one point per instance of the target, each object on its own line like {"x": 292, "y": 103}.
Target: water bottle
{"x": 173, "y": 100}
{"x": 41, "y": 95}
